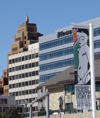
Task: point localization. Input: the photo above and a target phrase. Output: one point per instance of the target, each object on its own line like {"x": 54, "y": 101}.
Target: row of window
{"x": 57, "y": 64}
{"x": 71, "y": 88}
{"x": 56, "y": 42}
{"x": 63, "y": 52}
{"x": 63, "y": 40}
{"x": 23, "y": 58}
{"x": 97, "y": 44}
{"x": 97, "y": 31}
{"x": 25, "y": 66}
{"x": 47, "y": 76}
{"x": 97, "y": 54}
{"x": 25, "y": 92}
{"x": 21, "y": 101}
{"x": 27, "y": 83}
{"x": 23, "y": 75}
{"x": 56, "y": 53}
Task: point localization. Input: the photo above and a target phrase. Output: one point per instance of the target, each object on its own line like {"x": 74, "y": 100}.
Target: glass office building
{"x": 56, "y": 50}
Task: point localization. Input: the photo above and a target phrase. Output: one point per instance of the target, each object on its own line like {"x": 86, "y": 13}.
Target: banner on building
{"x": 82, "y": 67}
{"x": 83, "y": 97}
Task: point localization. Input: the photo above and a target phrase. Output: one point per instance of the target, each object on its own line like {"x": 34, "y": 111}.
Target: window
{"x": 56, "y": 42}
{"x": 37, "y": 72}
{"x": 26, "y": 66}
{"x": 22, "y": 66}
{"x": 29, "y": 91}
{"x": 9, "y": 61}
{"x": 26, "y": 57}
{"x": 36, "y": 55}
{"x": 29, "y": 74}
{"x": 19, "y": 92}
{"x": 69, "y": 106}
{"x": 24, "y": 37}
{"x": 30, "y": 65}
{"x": 33, "y": 73}
{"x": 19, "y": 59}
{"x": 23, "y": 58}
{"x": 33, "y": 82}
{"x": 19, "y": 84}
{"x": 26, "y": 83}
{"x": 19, "y": 67}
{"x": 33, "y": 91}
{"x": 26, "y": 91}
{"x": 33, "y": 64}
{"x": 37, "y": 81}
{"x": 4, "y": 101}
{"x": 24, "y": 42}
{"x": 23, "y": 75}
{"x": 32, "y": 55}
{"x": 19, "y": 76}
{"x": 16, "y": 93}
{"x": 70, "y": 89}
{"x": 23, "y": 92}
{"x": 29, "y": 56}
{"x": 36, "y": 63}
{"x": 29, "y": 82}
{"x": 22, "y": 83}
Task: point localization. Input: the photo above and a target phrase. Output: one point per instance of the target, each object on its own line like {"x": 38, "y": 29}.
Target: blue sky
{"x": 49, "y": 15}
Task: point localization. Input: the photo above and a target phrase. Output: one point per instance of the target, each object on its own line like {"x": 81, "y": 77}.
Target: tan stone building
{"x": 63, "y": 84}
{"x": 4, "y": 83}
{"x": 26, "y": 34}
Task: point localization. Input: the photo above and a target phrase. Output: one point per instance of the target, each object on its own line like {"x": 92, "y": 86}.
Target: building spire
{"x": 26, "y": 19}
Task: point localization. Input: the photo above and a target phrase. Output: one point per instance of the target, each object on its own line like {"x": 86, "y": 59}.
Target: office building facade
{"x": 56, "y": 50}
{"x": 24, "y": 77}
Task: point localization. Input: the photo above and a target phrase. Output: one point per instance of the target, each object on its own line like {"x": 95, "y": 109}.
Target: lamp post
{"x": 60, "y": 104}
{"x": 25, "y": 105}
{"x": 22, "y": 106}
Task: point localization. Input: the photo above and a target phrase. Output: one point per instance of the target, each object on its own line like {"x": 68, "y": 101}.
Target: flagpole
{"x": 92, "y": 70}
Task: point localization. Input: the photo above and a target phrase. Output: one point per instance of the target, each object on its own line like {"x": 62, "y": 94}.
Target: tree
{"x": 12, "y": 113}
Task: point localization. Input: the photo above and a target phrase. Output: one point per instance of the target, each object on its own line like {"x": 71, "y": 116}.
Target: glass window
{"x": 29, "y": 74}
{"x": 19, "y": 59}
{"x": 33, "y": 73}
{"x": 22, "y": 83}
{"x": 16, "y": 93}
{"x": 32, "y": 55}
{"x": 19, "y": 84}
{"x": 9, "y": 61}
{"x": 30, "y": 65}
{"x": 29, "y": 91}
{"x": 69, "y": 106}
{"x": 70, "y": 89}
{"x": 29, "y": 82}
{"x": 19, "y": 67}
{"x": 23, "y": 58}
{"x": 26, "y": 83}
{"x": 36, "y": 55}
{"x": 26, "y": 57}
{"x": 33, "y": 82}
{"x": 26, "y": 91}
{"x": 29, "y": 56}
{"x": 36, "y": 63}
{"x": 37, "y": 72}
{"x": 33, "y": 64}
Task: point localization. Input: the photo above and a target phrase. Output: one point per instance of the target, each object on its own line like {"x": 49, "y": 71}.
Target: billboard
{"x": 81, "y": 50}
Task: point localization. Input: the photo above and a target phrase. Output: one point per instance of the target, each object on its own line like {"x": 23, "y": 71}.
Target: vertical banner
{"x": 82, "y": 67}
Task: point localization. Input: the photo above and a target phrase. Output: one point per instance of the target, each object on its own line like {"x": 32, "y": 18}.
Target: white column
{"x": 92, "y": 70}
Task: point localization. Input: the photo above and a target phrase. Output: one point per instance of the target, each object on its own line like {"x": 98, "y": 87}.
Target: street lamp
{"x": 60, "y": 104}
{"x": 24, "y": 102}
{"x": 25, "y": 106}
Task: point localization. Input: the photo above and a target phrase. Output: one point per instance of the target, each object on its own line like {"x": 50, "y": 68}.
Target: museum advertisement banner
{"x": 81, "y": 50}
